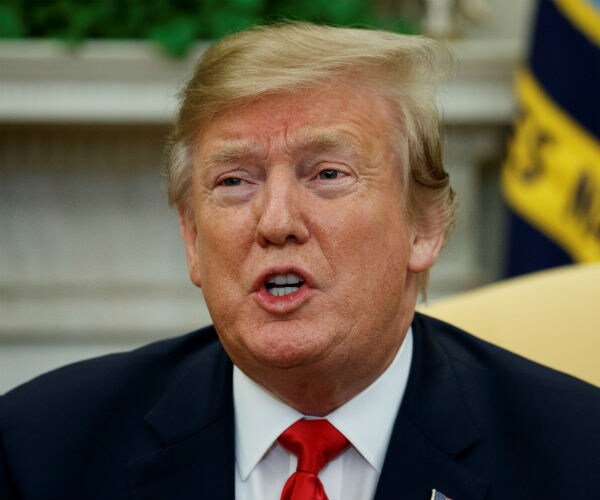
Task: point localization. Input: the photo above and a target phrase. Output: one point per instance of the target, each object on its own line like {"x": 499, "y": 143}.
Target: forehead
{"x": 340, "y": 114}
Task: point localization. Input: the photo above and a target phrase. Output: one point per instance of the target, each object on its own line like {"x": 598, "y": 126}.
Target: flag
{"x": 438, "y": 495}
{"x": 551, "y": 177}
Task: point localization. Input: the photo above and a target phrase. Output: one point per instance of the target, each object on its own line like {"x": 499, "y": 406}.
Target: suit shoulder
{"x": 148, "y": 368}
{"x": 537, "y": 428}
{"x": 498, "y": 367}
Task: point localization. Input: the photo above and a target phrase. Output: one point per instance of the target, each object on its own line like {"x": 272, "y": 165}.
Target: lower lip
{"x": 285, "y": 303}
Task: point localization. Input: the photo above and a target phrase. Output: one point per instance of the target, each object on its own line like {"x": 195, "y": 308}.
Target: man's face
{"x": 297, "y": 232}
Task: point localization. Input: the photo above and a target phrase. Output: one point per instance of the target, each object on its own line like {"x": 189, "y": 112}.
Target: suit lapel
{"x": 432, "y": 429}
{"x": 194, "y": 421}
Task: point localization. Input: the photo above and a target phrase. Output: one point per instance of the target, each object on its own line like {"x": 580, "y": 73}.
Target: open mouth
{"x": 281, "y": 285}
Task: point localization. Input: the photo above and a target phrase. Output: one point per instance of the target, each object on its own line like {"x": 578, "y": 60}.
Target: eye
{"x": 231, "y": 181}
{"x": 329, "y": 174}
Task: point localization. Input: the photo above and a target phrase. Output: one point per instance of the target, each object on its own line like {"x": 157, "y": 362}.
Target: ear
{"x": 424, "y": 250}
{"x": 189, "y": 234}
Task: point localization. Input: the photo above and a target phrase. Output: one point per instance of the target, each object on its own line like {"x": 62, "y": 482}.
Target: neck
{"x": 319, "y": 390}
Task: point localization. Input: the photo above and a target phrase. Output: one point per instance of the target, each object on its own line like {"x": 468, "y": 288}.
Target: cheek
{"x": 221, "y": 234}
{"x": 223, "y": 247}
{"x": 370, "y": 231}
{"x": 378, "y": 249}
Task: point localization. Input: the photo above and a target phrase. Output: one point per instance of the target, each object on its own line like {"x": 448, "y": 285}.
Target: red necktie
{"x": 314, "y": 442}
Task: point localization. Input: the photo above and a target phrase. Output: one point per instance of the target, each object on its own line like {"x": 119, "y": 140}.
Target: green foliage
{"x": 175, "y": 24}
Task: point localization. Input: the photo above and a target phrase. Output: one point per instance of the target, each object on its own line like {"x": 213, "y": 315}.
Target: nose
{"x": 280, "y": 211}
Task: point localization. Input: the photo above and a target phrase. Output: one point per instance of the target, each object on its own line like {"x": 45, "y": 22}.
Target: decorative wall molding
{"x": 131, "y": 82}
{"x": 97, "y": 82}
{"x": 482, "y": 90}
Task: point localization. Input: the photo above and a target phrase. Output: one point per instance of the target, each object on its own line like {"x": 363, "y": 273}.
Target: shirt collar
{"x": 260, "y": 417}
{"x": 366, "y": 420}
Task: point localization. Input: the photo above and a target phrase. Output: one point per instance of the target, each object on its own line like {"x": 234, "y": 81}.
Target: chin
{"x": 283, "y": 344}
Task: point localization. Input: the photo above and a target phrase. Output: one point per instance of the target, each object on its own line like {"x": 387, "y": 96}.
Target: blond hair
{"x": 292, "y": 56}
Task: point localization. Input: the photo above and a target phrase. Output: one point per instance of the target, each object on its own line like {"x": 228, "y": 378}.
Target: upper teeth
{"x": 283, "y": 284}
{"x": 284, "y": 279}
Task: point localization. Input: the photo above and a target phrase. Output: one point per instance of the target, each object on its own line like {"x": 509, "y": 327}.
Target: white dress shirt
{"x": 367, "y": 420}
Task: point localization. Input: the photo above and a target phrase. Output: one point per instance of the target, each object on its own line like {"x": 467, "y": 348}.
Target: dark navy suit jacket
{"x": 157, "y": 423}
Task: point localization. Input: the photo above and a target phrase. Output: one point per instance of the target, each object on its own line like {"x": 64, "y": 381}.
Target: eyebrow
{"x": 232, "y": 152}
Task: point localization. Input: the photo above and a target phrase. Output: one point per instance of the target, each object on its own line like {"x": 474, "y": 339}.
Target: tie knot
{"x": 314, "y": 442}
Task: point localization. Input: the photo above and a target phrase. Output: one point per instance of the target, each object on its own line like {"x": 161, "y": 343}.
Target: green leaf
{"x": 247, "y": 6}
{"x": 11, "y": 23}
{"x": 176, "y": 35}
{"x": 174, "y": 24}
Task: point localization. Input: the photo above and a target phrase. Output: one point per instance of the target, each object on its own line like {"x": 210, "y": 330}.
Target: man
{"x": 306, "y": 169}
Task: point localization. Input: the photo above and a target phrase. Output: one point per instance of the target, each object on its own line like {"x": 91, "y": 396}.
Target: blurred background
{"x": 90, "y": 255}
